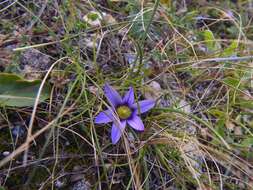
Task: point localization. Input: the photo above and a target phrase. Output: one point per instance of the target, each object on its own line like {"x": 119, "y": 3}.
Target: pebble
{"x": 17, "y": 131}
{"x": 81, "y": 185}
{"x": 6, "y": 153}
{"x": 59, "y": 184}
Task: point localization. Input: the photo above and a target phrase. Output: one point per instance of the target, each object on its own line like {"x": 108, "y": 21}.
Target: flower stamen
{"x": 124, "y": 112}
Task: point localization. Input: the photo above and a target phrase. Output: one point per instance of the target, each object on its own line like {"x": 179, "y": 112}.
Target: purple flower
{"x": 123, "y": 111}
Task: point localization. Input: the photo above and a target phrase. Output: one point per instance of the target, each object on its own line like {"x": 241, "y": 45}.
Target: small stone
{"x": 17, "y": 131}
{"x": 81, "y": 185}
{"x": 130, "y": 137}
{"x": 130, "y": 58}
{"x": 93, "y": 90}
{"x": 6, "y": 153}
{"x": 193, "y": 155}
{"x": 109, "y": 19}
{"x": 59, "y": 184}
{"x": 131, "y": 140}
{"x": 185, "y": 106}
{"x": 238, "y": 131}
{"x": 90, "y": 41}
{"x": 33, "y": 63}
{"x": 67, "y": 143}
{"x": 153, "y": 91}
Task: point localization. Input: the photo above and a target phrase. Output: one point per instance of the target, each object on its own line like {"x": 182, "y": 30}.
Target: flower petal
{"x": 136, "y": 123}
{"x": 112, "y": 95}
{"x": 104, "y": 117}
{"x": 129, "y": 96}
{"x": 117, "y": 130}
{"x": 144, "y": 105}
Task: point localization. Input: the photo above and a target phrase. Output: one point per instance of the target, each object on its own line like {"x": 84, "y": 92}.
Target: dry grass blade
{"x": 30, "y": 127}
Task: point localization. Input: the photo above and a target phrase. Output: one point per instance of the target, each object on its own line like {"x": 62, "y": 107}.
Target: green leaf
{"x": 18, "y": 92}
{"x": 93, "y": 16}
{"x": 230, "y": 50}
{"x": 220, "y": 127}
{"x": 248, "y": 142}
{"x": 245, "y": 104}
{"x": 232, "y": 82}
{"x": 210, "y": 41}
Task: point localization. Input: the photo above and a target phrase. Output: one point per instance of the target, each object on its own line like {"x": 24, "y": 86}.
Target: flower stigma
{"x": 124, "y": 112}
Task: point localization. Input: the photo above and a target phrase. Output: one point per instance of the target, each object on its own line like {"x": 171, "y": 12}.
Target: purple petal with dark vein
{"x": 112, "y": 95}
{"x": 136, "y": 123}
{"x": 129, "y": 96}
{"x": 117, "y": 130}
{"x": 104, "y": 117}
{"x": 144, "y": 105}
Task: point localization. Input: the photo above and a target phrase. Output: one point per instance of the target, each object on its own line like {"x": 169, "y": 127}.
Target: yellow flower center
{"x": 124, "y": 112}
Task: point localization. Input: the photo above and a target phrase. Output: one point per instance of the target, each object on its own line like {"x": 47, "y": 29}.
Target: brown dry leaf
{"x": 230, "y": 126}
{"x": 109, "y": 19}
{"x": 238, "y": 131}
{"x": 204, "y": 133}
